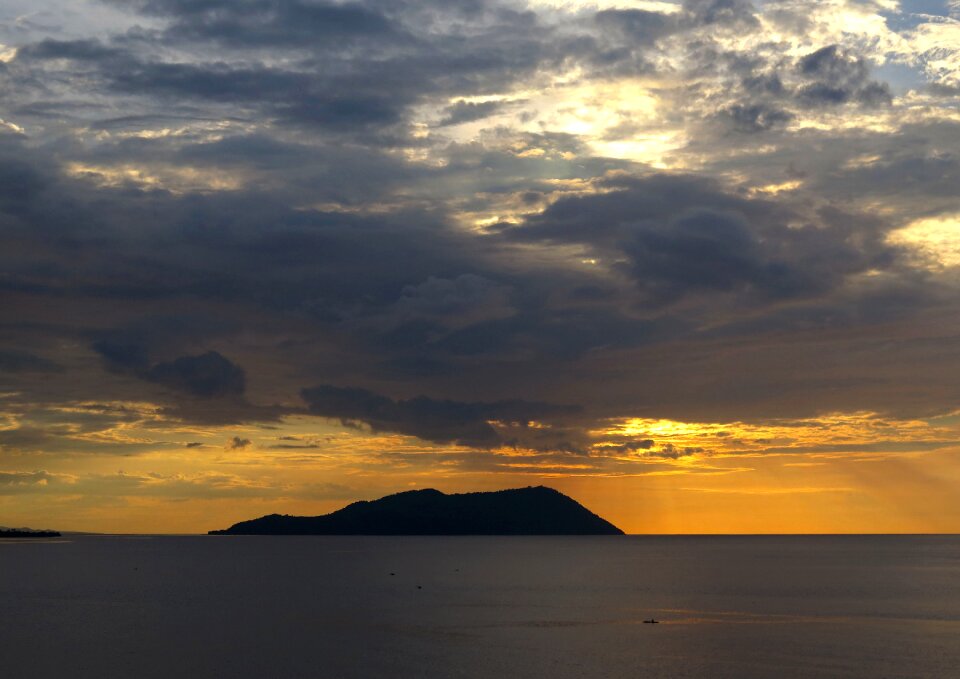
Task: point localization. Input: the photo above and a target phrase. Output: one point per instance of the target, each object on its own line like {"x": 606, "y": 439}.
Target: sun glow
{"x": 829, "y": 434}
{"x": 935, "y": 240}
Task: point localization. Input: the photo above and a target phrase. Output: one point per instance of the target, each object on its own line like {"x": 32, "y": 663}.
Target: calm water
{"x": 324, "y": 607}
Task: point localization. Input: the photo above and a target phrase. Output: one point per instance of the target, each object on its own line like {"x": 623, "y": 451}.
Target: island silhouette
{"x": 519, "y": 511}
{"x": 27, "y": 533}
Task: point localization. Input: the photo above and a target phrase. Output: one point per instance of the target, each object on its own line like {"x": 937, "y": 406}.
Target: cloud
{"x": 834, "y": 76}
{"x": 227, "y": 209}
{"x": 672, "y": 452}
{"x": 438, "y": 420}
{"x": 12, "y": 483}
{"x": 468, "y": 111}
{"x": 757, "y": 117}
{"x": 637, "y": 25}
{"x": 678, "y": 236}
{"x": 237, "y": 443}
{"x": 356, "y": 69}
{"x": 122, "y": 358}
{"x": 268, "y": 24}
{"x": 206, "y": 375}
{"x": 709, "y": 12}
{"x": 627, "y": 446}
{"x": 25, "y": 362}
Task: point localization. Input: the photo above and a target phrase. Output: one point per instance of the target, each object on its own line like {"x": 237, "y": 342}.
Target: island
{"x": 27, "y": 533}
{"x": 520, "y": 511}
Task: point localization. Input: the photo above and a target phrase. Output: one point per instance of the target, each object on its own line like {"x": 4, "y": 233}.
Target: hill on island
{"x": 520, "y": 511}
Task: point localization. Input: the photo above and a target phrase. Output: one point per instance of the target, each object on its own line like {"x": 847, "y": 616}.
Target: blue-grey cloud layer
{"x": 223, "y": 207}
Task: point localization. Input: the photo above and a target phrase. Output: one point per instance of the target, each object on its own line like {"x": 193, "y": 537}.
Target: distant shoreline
{"x": 29, "y": 534}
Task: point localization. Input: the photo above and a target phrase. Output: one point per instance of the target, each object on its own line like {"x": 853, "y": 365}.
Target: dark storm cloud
{"x": 400, "y": 294}
{"x": 718, "y": 252}
{"x": 644, "y": 27}
{"x": 465, "y": 112}
{"x": 309, "y": 97}
{"x": 636, "y": 24}
{"x": 213, "y": 247}
{"x": 757, "y": 117}
{"x": 122, "y": 358}
{"x": 550, "y": 337}
{"x": 834, "y": 76}
{"x": 266, "y": 212}
{"x": 438, "y": 420}
{"x": 292, "y": 170}
{"x": 677, "y": 236}
{"x": 355, "y": 68}
{"x": 22, "y": 180}
{"x": 77, "y": 50}
{"x": 127, "y": 347}
{"x": 918, "y": 165}
{"x": 25, "y": 362}
{"x": 598, "y": 218}
{"x": 625, "y": 41}
{"x": 271, "y": 24}
{"x": 722, "y": 12}
{"x": 334, "y": 270}
{"x": 206, "y": 375}
{"x": 764, "y": 90}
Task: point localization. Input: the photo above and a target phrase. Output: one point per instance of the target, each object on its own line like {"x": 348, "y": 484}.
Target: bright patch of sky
{"x": 25, "y": 21}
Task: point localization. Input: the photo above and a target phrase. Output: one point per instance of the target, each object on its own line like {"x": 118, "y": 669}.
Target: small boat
{"x": 651, "y": 621}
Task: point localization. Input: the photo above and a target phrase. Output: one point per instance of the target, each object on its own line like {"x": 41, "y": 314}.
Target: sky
{"x": 695, "y": 264}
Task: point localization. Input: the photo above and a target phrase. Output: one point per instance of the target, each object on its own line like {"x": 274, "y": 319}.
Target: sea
{"x": 237, "y": 607}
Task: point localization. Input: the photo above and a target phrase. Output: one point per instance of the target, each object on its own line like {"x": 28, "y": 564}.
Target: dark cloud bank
{"x": 337, "y": 261}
